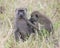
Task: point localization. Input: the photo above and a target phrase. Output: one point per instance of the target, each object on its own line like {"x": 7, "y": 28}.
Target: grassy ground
{"x": 50, "y": 8}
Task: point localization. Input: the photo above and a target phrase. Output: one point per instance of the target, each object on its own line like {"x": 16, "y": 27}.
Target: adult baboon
{"x": 22, "y": 29}
{"x": 43, "y": 20}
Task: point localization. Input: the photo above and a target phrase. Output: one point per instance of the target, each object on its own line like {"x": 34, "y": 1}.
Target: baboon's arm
{"x": 31, "y": 24}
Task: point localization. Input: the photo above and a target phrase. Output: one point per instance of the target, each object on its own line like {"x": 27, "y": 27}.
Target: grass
{"x": 7, "y": 23}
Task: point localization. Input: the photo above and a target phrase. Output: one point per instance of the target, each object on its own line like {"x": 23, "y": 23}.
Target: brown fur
{"x": 43, "y": 20}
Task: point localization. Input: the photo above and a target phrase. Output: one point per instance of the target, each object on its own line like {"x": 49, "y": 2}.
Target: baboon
{"x": 34, "y": 20}
{"x": 43, "y": 20}
{"x": 22, "y": 29}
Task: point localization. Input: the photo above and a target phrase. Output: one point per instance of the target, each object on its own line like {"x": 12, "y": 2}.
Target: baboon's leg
{"x": 23, "y": 36}
{"x": 17, "y": 35}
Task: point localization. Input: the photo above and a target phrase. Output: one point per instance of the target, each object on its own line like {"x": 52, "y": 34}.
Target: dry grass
{"x": 47, "y": 7}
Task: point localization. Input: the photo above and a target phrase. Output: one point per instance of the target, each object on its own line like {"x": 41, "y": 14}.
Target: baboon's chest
{"x": 22, "y": 25}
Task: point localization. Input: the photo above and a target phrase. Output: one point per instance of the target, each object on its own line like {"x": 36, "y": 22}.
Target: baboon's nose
{"x": 21, "y": 16}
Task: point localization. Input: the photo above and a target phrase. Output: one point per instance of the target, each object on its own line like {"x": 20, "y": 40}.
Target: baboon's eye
{"x": 21, "y": 10}
{"x": 36, "y": 15}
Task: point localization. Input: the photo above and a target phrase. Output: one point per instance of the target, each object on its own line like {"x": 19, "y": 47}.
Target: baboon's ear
{"x": 16, "y": 10}
{"x": 26, "y": 9}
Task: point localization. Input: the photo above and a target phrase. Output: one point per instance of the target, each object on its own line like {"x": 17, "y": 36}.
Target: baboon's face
{"x": 34, "y": 16}
{"x": 21, "y": 13}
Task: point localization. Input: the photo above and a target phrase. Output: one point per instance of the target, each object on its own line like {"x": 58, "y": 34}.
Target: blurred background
{"x": 50, "y": 8}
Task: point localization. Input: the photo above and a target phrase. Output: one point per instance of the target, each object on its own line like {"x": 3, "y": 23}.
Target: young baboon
{"x": 43, "y": 20}
{"x": 34, "y": 20}
{"x": 22, "y": 29}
